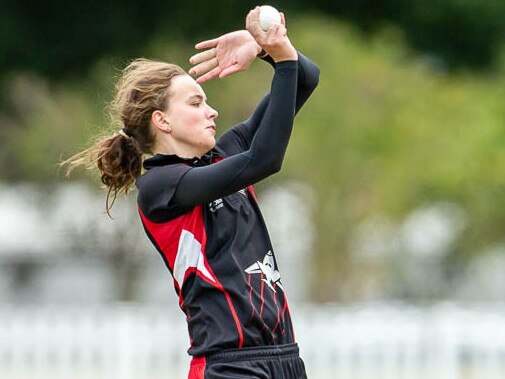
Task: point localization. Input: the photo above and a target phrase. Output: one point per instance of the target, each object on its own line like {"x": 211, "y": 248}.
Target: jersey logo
{"x": 218, "y": 203}
{"x": 267, "y": 268}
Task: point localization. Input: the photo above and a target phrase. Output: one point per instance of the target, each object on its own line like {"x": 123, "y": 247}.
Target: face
{"x": 191, "y": 119}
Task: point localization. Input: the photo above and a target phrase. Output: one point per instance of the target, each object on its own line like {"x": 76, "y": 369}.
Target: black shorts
{"x": 268, "y": 362}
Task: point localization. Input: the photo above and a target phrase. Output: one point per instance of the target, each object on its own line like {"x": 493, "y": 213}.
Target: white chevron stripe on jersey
{"x": 189, "y": 255}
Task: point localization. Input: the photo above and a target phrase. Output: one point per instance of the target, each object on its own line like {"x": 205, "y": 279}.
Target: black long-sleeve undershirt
{"x": 308, "y": 78}
{"x": 264, "y": 138}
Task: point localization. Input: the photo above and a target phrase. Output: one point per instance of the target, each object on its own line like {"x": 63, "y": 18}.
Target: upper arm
{"x": 207, "y": 183}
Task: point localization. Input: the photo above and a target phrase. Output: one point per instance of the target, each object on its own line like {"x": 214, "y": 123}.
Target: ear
{"x": 159, "y": 121}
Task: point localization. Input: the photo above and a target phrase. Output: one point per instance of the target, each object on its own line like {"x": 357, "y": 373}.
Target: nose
{"x": 212, "y": 113}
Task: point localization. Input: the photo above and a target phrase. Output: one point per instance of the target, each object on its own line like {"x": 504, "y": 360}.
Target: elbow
{"x": 276, "y": 167}
{"x": 309, "y": 73}
{"x": 313, "y": 81}
{"x": 273, "y": 166}
{"x": 267, "y": 167}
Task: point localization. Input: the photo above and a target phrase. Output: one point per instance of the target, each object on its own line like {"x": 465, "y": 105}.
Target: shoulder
{"x": 156, "y": 187}
{"x": 170, "y": 174}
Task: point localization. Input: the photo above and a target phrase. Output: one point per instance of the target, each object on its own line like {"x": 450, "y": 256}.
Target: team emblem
{"x": 267, "y": 268}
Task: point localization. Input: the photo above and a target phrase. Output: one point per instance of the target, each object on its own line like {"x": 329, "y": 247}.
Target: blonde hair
{"x": 142, "y": 89}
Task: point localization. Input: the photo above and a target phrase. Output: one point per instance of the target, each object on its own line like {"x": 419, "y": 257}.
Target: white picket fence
{"x": 368, "y": 342}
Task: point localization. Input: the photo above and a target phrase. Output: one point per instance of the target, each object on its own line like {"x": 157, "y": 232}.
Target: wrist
{"x": 285, "y": 56}
{"x": 283, "y": 52}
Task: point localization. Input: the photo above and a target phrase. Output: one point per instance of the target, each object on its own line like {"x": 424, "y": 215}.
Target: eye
{"x": 196, "y": 104}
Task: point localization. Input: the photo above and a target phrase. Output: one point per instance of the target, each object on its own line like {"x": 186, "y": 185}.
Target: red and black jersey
{"x": 202, "y": 216}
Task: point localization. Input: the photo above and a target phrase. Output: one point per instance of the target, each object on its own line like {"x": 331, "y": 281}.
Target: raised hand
{"x": 275, "y": 40}
{"x": 225, "y": 55}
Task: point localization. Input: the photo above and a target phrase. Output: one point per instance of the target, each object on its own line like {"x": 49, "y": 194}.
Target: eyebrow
{"x": 198, "y": 97}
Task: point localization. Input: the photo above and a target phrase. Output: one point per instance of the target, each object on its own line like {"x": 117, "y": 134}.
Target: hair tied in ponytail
{"x": 124, "y": 134}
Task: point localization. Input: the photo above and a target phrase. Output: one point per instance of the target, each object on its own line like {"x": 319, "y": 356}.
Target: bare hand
{"x": 275, "y": 40}
{"x": 225, "y": 55}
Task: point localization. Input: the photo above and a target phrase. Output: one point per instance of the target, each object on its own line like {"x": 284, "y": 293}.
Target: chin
{"x": 212, "y": 144}
{"x": 208, "y": 145}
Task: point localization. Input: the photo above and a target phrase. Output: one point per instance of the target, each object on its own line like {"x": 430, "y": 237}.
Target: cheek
{"x": 190, "y": 119}
{"x": 194, "y": 119}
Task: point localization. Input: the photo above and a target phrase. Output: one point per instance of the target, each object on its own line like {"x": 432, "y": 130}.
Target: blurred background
{"x": 388, "y": 218}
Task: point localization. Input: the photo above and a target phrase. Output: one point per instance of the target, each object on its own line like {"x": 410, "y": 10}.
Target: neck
{"x": 181, "y": 151}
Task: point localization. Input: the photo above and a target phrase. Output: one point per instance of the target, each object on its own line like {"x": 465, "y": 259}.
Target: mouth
{"x": 213, "y": 127}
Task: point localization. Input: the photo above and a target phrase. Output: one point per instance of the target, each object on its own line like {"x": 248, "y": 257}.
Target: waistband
{"x": 249, "y": 353}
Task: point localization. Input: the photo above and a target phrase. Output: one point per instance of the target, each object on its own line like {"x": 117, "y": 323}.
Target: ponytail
{"x": 119, "y": 161}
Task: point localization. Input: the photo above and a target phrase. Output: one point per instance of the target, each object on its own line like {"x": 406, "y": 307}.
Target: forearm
{"x": 308, "y": 72}
{"x": 308, "y": 79}
{"x": 275, "y": 127}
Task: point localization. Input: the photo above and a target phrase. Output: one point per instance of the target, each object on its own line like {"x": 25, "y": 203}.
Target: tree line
{"x": 61, "y": 39}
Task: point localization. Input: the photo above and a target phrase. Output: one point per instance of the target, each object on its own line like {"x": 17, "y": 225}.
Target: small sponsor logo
{"x": 215, "y": 205}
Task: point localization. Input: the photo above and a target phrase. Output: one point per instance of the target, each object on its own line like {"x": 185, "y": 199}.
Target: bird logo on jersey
{"x": 267, "y": 268}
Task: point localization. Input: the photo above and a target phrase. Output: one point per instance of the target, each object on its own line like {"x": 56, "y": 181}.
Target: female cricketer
{"x": 196, "y": 198}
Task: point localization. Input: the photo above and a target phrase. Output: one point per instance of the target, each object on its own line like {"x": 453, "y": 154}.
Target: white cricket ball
{"x": 269, "y": 16}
